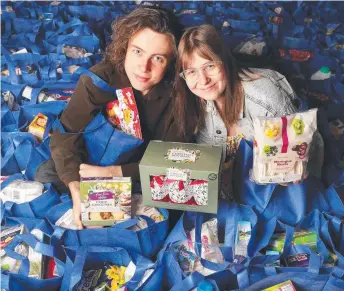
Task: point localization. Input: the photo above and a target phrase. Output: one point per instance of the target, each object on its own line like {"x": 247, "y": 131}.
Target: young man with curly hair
{"x": 141, "y": 55}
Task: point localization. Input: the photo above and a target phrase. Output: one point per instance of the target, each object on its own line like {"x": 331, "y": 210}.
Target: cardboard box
{"x": 285, "y": 286}
{"x": 181, "y": 176}
{"x": 105, "y": 201}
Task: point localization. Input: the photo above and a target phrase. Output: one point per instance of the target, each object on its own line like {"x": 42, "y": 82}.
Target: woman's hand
{"x": 87, "y": 171}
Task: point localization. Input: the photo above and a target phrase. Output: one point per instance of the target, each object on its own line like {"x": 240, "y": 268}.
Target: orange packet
{"x": 38, "y": 125}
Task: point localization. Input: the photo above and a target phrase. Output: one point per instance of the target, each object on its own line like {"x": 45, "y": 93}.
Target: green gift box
{"x": 181, "y": 176}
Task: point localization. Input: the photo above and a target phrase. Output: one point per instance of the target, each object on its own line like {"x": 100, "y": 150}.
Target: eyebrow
{"x": 157, "y": 54}
{"x": 192, "y": 68}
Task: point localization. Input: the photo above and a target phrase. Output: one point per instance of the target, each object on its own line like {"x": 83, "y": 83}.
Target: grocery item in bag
{"x": 282, "y": 146}
{"x": 123, "y": 113}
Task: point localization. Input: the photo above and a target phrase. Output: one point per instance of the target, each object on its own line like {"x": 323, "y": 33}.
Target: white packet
{"x": 67, "y": 220}
{"x": 210, "y": 246}
{"x": 281, "y": 147}
{"x": 20, "y": 191}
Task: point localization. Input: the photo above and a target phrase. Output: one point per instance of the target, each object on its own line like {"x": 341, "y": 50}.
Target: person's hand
{"x": 304, "y": 177}
{"x": 97, "y": 171}
{"x": 74, "y": 188}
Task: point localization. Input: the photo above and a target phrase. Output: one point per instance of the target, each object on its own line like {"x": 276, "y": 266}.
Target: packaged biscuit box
{"x": 105, "y": 201}
{"x": 282, "y": 146}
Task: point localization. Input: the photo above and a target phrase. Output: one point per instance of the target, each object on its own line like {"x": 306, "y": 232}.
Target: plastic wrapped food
{"x": 282, "y": 146}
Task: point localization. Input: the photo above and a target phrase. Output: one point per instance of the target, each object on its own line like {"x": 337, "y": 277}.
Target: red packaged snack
{"x": 123, "y": 113}
{"x": 276, "y": 19}
{"x": 156, "y": 185}
{"x": 112, "y": 110}
{"x": 198, "y": 189}
{"x": 296, "y": 55}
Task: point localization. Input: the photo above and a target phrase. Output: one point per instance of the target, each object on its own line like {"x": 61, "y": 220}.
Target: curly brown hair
{"x": 158, "y": 19}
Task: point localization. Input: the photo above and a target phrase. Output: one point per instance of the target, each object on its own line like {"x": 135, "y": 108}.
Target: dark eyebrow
{"x": 164, "y": 55}
{"x": 207, "y": 63}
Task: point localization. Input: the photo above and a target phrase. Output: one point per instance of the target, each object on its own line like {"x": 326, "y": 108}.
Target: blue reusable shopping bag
{"x": 21, "y": 281}
{"x": 147, "y": 241}
{"x": 84, "y": 258}
{"x": 272, "y": 199}
{"x": 36, "y": 208}
{"x": 246, "y": 191}
{"x": 100, "y": 135}
{"x": 227, "y": 219}
{"x": 191, "y": 282}
{"x": 303, "y": 279}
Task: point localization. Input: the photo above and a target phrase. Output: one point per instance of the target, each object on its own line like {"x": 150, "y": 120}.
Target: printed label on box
{"x": 182, "y": 155}
{"x": 178, "y": 174}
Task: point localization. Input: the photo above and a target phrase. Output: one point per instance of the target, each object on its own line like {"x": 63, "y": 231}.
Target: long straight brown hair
{"x": 189, "y": 109}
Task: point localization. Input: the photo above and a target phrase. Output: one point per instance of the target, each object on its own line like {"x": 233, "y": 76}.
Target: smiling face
{"x": 207, "y": 87}
{"x": 148, "y": 56}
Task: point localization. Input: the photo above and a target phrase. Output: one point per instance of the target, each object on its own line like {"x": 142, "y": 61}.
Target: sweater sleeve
{"x": 68, "y": 149}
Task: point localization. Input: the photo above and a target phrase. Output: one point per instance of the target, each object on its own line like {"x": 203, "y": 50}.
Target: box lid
{"x": 200, "y": 157}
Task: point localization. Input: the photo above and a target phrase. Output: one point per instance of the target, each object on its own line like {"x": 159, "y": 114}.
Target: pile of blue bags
{"x": 296, "y": 38}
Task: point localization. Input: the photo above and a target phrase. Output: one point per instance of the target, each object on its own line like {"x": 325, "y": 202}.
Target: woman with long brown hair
{"x": 217, "y": 100}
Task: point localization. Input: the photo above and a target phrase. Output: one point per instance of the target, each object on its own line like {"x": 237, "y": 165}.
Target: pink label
{"x": 101, "y": 196}
{"x": 284, "y": 135}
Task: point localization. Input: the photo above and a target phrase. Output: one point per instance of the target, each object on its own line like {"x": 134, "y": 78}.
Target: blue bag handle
{"x": 63, "y": 28}
{"x": 97, "y": 82}
{"x": 8, "y": 27}
{"x": 81, "y": 256}
{"x": 29, "y": 239}
{"x": 57, "y": 124}
{"x": 243, "y": 275}
{"x": 30, "y": 224}
{"x": 198, "y": 247}
{"x": 25, "y": 206}
{"x": 13, "y": 77}
{"x": 190, "y": 282}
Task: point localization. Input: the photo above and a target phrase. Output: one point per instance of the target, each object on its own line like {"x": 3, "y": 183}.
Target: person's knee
{"x": 46, "y": 173}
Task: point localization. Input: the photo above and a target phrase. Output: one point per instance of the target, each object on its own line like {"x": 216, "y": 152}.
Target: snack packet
{"x": 298, "y": 260}
{"x": 210, "y": 242}
{"x": 281, "y": 147}
{"x": 123, "y": 113}
{"x": 149, "y": 211}
{"x": 55, "y": 95}
{"x": 20, "y": 191}
{"x": 38, "y": 125}
{"x": 285, "y": 286}
{"x": 243, "y": 236}
{"x": 74, "y": 52}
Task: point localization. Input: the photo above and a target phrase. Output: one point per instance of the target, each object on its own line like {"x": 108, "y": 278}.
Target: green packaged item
{"x": 307, "y": 238}
{"x": 105, "y": 201}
